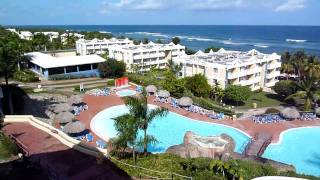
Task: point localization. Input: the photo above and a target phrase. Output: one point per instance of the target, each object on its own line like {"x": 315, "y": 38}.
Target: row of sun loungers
{"x": 267, "y": 118}
{"x": 193, "y": 108}
{"x": 274, "y": 118}
{"x": 78, "y": 109}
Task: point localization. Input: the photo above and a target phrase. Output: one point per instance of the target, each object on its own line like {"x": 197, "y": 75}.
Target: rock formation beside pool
{"x": 218, "y": 147}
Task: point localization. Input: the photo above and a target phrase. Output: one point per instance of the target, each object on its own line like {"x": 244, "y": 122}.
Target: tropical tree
{"x": 217, "y": 92}
{"x": 138, "y": 108}
{"x": 287, "y": 68}
{"x": 174, "y": 68}
{"x": 175, "y": 40}
{"x": 190, "y": 51}
{"x": 111, "y": 68}
{"x": 159, "y": 41}
{"x": 40, "y": 42}
{"x": 312, "y": 68}
{"x": 145, "y": 41}
{"x": 214, "y": 49}
{"x": 127, "y": 127}
{"x": 237, "y": 93}
{"x": 198, "y": 85}
{"x": 306, "y": 90}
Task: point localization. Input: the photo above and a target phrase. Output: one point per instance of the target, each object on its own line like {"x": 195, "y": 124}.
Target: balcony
{"x": 271, "y": 83}
{"x": 273, "y": 75}
{"x": 253, "y": 71}
{"x": 274, "y": 65}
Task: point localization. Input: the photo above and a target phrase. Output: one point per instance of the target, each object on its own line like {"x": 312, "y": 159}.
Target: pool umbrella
{"x": 163, "y": 93}
{"x": 290, "y": 113}
{"x": 64, "y": 117}
{"x": 151, "y": 89}
{"x": 75, "y": 99}
{"x": 185, "y": 101}
{"x": 74, "y": 127}
{"x": 63, "y": 107}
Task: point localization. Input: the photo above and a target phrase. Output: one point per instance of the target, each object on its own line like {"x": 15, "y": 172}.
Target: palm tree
{"x": 174, "y": 68}
{"x": 306, "y": 91}
{"x": 138, "y": 108}
{"x": 287, "y": 68}
{"x": 312, "y": 68}
{"x": 127, "y": 127}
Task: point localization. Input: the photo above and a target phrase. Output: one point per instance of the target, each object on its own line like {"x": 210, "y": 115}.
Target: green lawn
{"x": 7, "y": 147}
{"x": 262, "y": 99}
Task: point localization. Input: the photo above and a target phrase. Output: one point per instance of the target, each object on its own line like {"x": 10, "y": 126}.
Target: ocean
{"x": 266, "y": 39}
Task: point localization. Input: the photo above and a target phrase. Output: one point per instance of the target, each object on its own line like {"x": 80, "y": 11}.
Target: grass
{"x": 262, "y": 99}
{"x": 7, "y": 147}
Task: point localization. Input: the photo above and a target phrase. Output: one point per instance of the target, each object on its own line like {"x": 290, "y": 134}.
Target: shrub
{"x": 76, "y": 88}
{"x": 237, "y": 93}
{"x": 110, "y": 83}
{"x": 284, "y": 88}
{"x": 198, "y": 85}
{"x": 112, "y": 68}
{"x": 272, "y": 111}
{"x": 207, "y": 104}
{"x": 25, "y": 76}
{"x": 7, "y": 147}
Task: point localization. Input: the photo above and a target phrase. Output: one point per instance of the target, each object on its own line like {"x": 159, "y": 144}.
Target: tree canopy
{"x": 112, "y": 68}
{"x": 214, "y": 49}
{"x": 237, "y": 93}
{"x": 175, "y": 40}
{"x": 198, "y": 85}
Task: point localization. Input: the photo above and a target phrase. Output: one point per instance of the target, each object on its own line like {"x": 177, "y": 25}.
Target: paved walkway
{"x": 60, "y": 161}
{"x": 97, "y": 104}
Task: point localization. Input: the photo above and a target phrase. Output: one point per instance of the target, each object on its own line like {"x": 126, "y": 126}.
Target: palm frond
{"x": 158, "y": 112}
{"x": 301, "y": 94}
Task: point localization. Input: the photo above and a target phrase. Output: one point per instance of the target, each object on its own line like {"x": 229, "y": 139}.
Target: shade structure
{"x": 290, "y": 113}
{"x": 74, "y": 127}
{"x": 151, "y": 89}
{"x": 64, "y": 117}
{"x": 63, "y": 107}
{"x": 185, "y": 101}
{"x": 163, "y": 93}
{"x": 75, "y": 99}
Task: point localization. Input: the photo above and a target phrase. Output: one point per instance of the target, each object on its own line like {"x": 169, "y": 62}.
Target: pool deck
{"x": 97, "y": 104}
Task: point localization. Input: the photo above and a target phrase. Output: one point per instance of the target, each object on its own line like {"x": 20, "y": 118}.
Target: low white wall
{"x": 57, "y": 133}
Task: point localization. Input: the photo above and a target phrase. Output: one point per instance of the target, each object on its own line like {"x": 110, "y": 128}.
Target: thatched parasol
{"x": 64, "y": 117}
{"x": 63, "y": 107}
{"x": 151, "y": 89}
{"x": 185, "y": 101}
{"x": 74, "y": 127}
{"x": 163, "y": 93}
{"x": 75, "y": 99}
{"x": 290, "y": 113}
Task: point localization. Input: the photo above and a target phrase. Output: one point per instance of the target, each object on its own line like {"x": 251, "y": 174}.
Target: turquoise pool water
{"x": 299, "y": 147}
{"x": 169, "y": 130}
{"x": 126, "y": 92}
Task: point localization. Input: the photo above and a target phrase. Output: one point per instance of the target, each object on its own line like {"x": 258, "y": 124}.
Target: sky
{"x": 159, "y": 12}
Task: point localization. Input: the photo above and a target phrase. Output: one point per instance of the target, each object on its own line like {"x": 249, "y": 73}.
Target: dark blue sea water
{"x": 263, "y": 38}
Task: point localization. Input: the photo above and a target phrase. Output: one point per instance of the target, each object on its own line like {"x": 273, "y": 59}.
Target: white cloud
{"x": 213, "y": 4}
{"x": 136, "y": 5}
{"x": 291, "y": 5}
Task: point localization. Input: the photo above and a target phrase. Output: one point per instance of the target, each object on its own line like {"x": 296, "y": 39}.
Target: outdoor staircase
{"x": 259, "y": 145}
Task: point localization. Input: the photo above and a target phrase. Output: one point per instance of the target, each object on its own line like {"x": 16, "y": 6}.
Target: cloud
{"x": 135, "y": 5}
{"x": 213, "y": 4}
{"x": 291, "y": 5}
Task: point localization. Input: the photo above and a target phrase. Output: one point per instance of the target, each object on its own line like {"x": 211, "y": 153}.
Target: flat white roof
{"x": 47, "y": 61}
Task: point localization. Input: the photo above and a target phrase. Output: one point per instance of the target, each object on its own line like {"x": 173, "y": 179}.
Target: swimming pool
{"x": 169, "y": 130}
{"x": 299, "y": 147}
{"x": 126, "y": 92}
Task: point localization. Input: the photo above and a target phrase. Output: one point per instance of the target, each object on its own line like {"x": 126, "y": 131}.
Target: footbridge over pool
{"x": 258, "y": 145}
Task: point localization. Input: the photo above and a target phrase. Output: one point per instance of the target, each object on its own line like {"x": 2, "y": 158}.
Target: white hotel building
{"x": 97, "y": 46}
{"x": 253, "y": 69}
{"x": 146, "y": 56}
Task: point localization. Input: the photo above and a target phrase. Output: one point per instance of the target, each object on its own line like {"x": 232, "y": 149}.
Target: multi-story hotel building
{"x": 253, "y": 69}
{"x": 145, "y": 56}
{"x": 97, "y": 46}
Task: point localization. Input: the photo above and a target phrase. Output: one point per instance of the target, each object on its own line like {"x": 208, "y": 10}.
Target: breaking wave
{"x": 296, "y": 40}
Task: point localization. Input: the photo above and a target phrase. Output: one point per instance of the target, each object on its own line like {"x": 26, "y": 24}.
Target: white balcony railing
{"x": 273, "y": 75}
{"x": 274, "y": 65}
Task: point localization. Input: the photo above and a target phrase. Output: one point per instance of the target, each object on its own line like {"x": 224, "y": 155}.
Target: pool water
{"x": 299, "y": 147}
{"x": 169, "y": 130}
{"x": 126, "y": 92}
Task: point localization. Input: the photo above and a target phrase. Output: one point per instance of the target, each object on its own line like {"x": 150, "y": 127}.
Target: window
{"x": 53, "y": 71}
{"x": 85, "y": 67}
{"x": 71, "y": 69}
{"x": 95, "y": 66}
{"x": 215, "y": 70}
